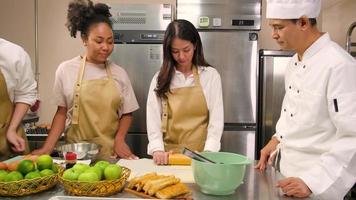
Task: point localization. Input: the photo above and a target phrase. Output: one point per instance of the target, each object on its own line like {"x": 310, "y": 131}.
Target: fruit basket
{"x": 29, "y": 186}
{"x": 98, "y": 188}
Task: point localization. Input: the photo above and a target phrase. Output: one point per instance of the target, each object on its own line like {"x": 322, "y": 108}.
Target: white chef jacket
{"x": 67, "y": 75}
{"x": 211, "y": 84}
{"x": 317, "y": 127}
{"x": 15, "y": 65}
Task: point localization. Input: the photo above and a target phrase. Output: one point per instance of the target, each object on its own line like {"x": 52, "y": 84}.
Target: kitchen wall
{"x": 337, "y": 18}
{"x": 17, "y": 22}
{"x": 16, "y": 27}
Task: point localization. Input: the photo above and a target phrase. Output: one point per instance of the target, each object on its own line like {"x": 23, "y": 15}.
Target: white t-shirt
{"x": 15, "y": 65}
{"x": 67, "y": 75}
{"x": 211, "y": 84}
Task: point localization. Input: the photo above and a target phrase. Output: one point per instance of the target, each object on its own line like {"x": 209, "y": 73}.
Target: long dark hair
{"x": 83, "y": 13}
{"x": 184, "y": 30}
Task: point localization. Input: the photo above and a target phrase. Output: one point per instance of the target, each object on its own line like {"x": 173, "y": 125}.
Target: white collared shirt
{"x": 211, "y": 84}
{"x": 15, "y": 65}
{"x": 317, "y": 127}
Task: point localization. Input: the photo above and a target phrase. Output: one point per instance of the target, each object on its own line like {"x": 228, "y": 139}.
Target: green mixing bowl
{"x": 222, "y": 178}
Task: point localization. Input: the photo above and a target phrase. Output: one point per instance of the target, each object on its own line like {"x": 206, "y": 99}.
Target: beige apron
{"x": 95, "y": 118}
{"x": 6, "y": 109}
{"x": 185, "y": 118}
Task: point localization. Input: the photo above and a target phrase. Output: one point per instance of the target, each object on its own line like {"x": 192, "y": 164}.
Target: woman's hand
{"x": 42, "y": 151}
{"x": 122, "y": 150}
{"x": 160, "y": 157}
{"x": 17, "y": 142}
{"x": 267, "y": 154}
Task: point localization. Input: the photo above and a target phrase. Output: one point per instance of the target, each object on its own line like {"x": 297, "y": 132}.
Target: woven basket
{"x": 29, "y": 186}
{"x": 97, "y": 189}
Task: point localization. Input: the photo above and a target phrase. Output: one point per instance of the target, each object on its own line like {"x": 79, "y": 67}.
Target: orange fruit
{"x": 12, "y": 166}
{"x": 3, "y": 166}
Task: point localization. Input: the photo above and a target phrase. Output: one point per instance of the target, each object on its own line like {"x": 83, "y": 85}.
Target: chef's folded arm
{"x": 336, "y": 170}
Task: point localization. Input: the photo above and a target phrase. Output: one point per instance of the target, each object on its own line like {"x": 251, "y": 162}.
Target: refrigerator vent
{"x": 130, "y": 18}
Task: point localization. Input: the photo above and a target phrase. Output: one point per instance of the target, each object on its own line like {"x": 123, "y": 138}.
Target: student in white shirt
{"x": 17, "y": 93}
{"x": 184, "y": 105}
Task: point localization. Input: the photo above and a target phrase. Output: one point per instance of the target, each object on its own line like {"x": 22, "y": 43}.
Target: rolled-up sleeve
{"x": 336, "y": 172}
{"x": 129, "y": 103}
{"x": 154, "y": 109}
{"x": 25, "y": 90}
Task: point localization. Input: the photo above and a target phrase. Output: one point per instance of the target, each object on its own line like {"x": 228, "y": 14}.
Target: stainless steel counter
{"x": 257, "y": 185}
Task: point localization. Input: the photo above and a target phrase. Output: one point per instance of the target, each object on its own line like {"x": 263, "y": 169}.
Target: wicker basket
{"x": 97, "y": 189}
{"x": 29, "y": 186}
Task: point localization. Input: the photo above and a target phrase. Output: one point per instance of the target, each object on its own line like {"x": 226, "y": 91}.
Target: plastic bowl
{"x": 84, "y": 151}
{"x": 222, "y": 178}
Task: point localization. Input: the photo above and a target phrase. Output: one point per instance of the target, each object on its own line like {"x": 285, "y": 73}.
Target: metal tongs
{"x": 196, "y": 156}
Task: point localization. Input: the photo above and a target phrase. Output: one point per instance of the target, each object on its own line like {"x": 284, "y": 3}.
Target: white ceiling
{"x": 328, "y": 3}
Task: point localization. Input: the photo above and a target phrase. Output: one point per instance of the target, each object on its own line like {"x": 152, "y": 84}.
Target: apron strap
{"x": 165, "y": 102}
{"x": 75, "y": 117}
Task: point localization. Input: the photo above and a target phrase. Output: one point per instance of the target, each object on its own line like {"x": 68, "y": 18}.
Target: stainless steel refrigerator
{"x": 229, "y": 33}
{"x": 138, "y": 31}
{"x": 272, "y": 65}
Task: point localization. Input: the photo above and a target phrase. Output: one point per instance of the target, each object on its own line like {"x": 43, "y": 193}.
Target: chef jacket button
{"x": 297, "y": 91}
{"x": 291, "y": 115}
{"x": 290, "y": 87}
{"x": 304, "y": 67}
{"x": 285, "y": 110}
{"x": 295, "y": 63}
{"x": 281, "y": 137}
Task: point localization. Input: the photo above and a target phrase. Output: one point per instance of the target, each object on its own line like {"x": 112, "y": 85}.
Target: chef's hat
{"x": 292, "y": 9}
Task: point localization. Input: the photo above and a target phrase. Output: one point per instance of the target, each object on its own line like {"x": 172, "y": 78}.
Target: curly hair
{"x": 84, "y": 13}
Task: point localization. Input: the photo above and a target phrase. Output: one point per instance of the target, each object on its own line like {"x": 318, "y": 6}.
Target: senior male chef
{"x": 315, "y": 137}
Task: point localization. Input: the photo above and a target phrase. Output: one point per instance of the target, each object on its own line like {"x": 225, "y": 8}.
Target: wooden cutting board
{"x": 146, "y": 196}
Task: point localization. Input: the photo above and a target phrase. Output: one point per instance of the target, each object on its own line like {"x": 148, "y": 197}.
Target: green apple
{"x": 32, "y": 175}
{"x": 3, "y": 174}
{"x": 46, "y": 172}
{"x": 112, "y": 172}
{"x": 26, "y": 166}
{"x": 96, "y": 170}
{"x": 88, "y": 177}
{"x": 70, "y": 174}
{"x": 13, "y": 176}
{"x": 44, "y": 162}
{"x": 102, "y": 164}
{"x": 80, "y": 167}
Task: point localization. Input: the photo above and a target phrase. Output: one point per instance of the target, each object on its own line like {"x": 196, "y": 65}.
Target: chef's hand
{"x": 42, "y": 151}
{"x": 294, "y": 187}
{"x": 161, "y": 157}
{"x": 266, "y": 154}
{"x": 17, "y": 142}
{"x": 122, "y": 150}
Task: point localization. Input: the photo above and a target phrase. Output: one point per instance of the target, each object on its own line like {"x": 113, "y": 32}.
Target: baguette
{"x": 172, "y": 191}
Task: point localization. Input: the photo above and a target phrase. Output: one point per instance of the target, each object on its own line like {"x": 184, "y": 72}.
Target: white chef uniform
{"x": 317, "y": 127}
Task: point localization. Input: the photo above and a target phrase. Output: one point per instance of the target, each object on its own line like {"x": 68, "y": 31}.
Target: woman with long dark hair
{"x": 94, "y": 96}
{"x": 184, "y": 106}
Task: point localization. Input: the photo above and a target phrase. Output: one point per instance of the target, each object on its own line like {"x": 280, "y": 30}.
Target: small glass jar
{"x": 71, "y": 159}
